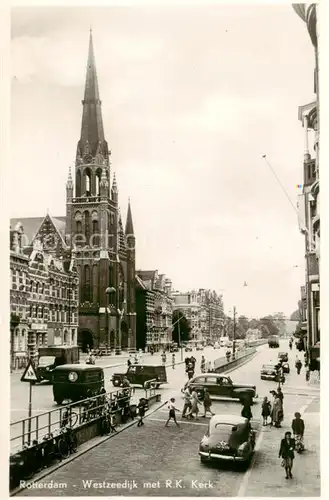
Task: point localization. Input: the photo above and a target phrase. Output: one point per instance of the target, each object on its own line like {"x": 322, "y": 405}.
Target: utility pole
{"x": 234, "y": 327}
{"x": 180, "y": 345}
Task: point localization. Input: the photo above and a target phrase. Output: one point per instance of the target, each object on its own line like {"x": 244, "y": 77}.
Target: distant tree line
{"x": 268, "y": 325}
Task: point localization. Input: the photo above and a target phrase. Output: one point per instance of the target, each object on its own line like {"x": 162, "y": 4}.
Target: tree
{"x": 280, "y": 322}
{"x": 14, "y": 322}
{"x": 184, "y": 327}
{"x": 242, "y": 327}
{"x": 295, "y": 315}
{"x": 271, "y": 327}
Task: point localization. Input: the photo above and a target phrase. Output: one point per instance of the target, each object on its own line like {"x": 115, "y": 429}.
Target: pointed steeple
{"x": 129, "y": 222}
{"x": 114, "y": 184}
{"x": 92, "y": 130}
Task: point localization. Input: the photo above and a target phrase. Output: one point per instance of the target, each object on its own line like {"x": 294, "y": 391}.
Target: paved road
{"x": 43, "y": 396}
{"x": 158, "y": 461}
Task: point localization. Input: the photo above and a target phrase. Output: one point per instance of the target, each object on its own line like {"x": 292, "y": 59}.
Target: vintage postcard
{"x": 164, "y": 250}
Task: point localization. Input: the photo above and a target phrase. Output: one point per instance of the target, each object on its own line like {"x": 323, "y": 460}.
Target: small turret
{"x": 69, "y": 186}
{"x": 104, "y": 185}
{"x": 114, "y": 190}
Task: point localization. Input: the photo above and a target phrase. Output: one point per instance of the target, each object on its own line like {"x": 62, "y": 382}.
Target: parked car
{"x": 199, "y": 347}
{"x": 221, "y": 386}
{"x": 269, "y": 372}
{"x": 286, "y": 367}
{"x": 283, "y": 356}
{"x": 188, "y": 348}
{"x": 229, "y": 437}
{"x": 139, "y": 374}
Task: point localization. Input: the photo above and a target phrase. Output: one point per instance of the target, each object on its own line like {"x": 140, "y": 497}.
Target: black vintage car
{"x": 269, "y": 372}
{"x": 221, "y": 386}
{"x": 229, "y": 437}
{"x": 139, "y": 374}
{"x": 283, "y": 356}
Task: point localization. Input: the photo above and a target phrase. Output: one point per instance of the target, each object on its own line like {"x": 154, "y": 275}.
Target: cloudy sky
{"x": 192, "y": 97}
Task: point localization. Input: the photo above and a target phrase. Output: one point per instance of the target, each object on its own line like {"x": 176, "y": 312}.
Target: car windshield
{"x": 269, "y": 367}
{"x": 221, "y": 430}
{"x": 282, "y": 353}
{"x": 46, "y": 360}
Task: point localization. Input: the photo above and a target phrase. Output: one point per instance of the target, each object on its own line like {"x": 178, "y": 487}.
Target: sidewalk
{"x": 306, "y": 470}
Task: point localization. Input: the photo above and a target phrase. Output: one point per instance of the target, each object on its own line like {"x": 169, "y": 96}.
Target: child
{"x": 298, "y": 428}
{"x": 266, "y": 410}
{"x": 141, "y": 411}
{"x": 207, "y": 403}
{"x": 172, "y": 412}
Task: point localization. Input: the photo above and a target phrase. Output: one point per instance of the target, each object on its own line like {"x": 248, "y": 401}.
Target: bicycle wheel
{"x": 74, "y": 443}
{"x": 73, "y": 419}
{"x": 63, "y": 448}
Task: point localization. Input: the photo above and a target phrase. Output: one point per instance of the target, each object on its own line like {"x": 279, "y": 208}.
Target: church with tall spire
{"x": 104, "y": 252}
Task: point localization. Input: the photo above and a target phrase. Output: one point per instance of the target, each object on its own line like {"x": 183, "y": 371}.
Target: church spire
{"x": 92, "y": 131}
{"x": 129, "y": 222}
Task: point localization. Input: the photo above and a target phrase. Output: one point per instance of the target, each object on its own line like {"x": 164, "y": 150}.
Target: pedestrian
{"x": 141, "y": 411}
{"x": 187, "y": 402}
{"x": 298, "y": 365}
{"x": 286, "y": 451}
{"x": 246, "y": 411}
{"x": 193, "y": 361}
{"x": 228, "y": 355}
{"x": 164, "y": 358}
{"x": 190, "y": 371}
{"x": 277, "y": 412}
{"x": 290, "y": 344}
{"x": 273, "y": 394}
{"x": 207, "y": 403}
{"x": 136, "y": 359}
{"x": 266, "y": 410}
{"x": 203, "y": 364}
{"x": 173, "y": 361}
{"x": 129, "y": 362}
{"x": 298, "y": 428}
{"x": 279, "y": 394}
{"x": 194, "y": 402}
{"x": 172, "y": 412}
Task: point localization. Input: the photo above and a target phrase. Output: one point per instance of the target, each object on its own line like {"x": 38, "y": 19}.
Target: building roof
{"x": 129, "y": 223}
{"x": 32, "y": 225}
{"x": 146, "y": 275}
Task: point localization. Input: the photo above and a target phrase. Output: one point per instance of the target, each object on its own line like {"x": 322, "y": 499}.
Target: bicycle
{"x": 67, "y": 443}
{"x": 69, "y": 418}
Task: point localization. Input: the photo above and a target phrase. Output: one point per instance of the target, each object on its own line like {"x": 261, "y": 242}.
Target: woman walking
{"x": 277, "y": 413}
{"x": 172, "y": 412}
{"x": 286, "y": 451}
{"x": 194, "y": 404}
{"x": 173, "y": 361}
{"x": 207, "y": 403}
{"x": 266, "y": 410}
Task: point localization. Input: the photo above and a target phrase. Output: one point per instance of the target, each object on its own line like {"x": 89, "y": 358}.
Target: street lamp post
{"x": 179, "y": 339}
{"x": 234, "y": 328}
{"x": 109, "y": 291}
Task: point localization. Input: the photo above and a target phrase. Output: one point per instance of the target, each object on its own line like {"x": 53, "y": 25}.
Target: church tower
{"x": 94, "y": 229}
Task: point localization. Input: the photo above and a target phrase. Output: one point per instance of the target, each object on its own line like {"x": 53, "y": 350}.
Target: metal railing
{"x": 220, "y": 362}
{"x": 72, "y": 415}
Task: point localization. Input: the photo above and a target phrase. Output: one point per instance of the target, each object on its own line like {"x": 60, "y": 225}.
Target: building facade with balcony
{"x": 205, "y": 312}
{"x": 154, "y": 308}
{"x": 309, "y": 200}
{"x": 44, "y": 295}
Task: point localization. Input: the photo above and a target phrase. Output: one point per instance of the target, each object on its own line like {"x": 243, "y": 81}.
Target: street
{"x": 158, "y": 461}
{"x": 42, "y": 399}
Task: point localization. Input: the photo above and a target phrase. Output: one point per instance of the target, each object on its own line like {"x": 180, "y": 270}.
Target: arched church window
{"x": 98, "y": 180}
{"x": 78, "y": 183}
{"x": 88, "y": 182}
{"x": 95, "y": 233}
{"x": 87, "y": 285}
{"x": 87, "y": 227}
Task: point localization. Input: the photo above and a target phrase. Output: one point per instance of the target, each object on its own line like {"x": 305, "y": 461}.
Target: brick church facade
{"x": 93, "y": 233}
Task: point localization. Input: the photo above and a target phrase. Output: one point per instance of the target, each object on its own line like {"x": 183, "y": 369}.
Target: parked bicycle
{"x": 69, "y": 418}
{"x": 67, "y": 443}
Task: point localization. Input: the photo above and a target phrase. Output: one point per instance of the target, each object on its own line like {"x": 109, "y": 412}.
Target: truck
{"x": 52, "y": 356}
{"x": 273, "y": 341}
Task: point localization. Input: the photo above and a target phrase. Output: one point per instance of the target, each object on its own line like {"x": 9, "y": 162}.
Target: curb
{"x": 100, "y": 440}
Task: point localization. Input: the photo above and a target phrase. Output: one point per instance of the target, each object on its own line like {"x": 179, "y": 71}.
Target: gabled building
{"x": 43, "y": 295}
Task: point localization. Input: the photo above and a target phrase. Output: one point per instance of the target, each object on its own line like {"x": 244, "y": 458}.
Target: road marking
{"x": 245, "y": 481}
{"x": 179, "y": 421}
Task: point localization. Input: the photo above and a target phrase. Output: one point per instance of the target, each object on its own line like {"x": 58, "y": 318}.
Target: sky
{"x": 192, "y": 97}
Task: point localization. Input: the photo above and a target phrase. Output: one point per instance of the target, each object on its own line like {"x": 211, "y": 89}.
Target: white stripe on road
{"x": 245, "y": 481}
{"x": 164, "y": 420}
